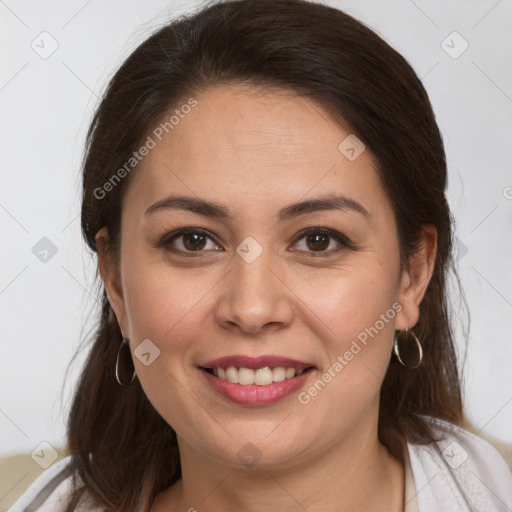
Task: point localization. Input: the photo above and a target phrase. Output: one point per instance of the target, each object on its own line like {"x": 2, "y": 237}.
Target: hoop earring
{"x": 124, "y": 344}
{"x": 408, "y": 359}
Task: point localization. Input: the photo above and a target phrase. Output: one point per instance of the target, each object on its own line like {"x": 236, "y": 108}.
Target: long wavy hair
{"x": 123, "y": 451}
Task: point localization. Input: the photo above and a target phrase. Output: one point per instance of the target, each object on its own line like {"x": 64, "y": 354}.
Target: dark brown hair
{"x": 123, "y": 451}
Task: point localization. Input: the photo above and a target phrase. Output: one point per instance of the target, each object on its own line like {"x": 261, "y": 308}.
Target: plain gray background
{"x": 47, "y": 101}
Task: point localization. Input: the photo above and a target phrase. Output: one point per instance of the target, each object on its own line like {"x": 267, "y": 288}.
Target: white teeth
{"x": 245, "y": 376}
{"x": 232, "y": 374}
{"x": 290, "y": 372}
{"x": 278, "y": 374}
{"x": 260, "y": 377}
{"x": 263, "y": 376}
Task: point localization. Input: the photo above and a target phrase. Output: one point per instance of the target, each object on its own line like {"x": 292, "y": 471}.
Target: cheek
{"x": 357, "y": 311}
{"x": 163, "y": 309}
{"x": 350, "y": 300}
{"x": 161, "y": 301}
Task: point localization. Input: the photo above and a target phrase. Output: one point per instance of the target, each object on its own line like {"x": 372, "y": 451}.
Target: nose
{"x": 254, "y": 296}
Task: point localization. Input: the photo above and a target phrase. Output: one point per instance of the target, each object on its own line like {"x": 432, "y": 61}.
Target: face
{"x": 303, "y": 300}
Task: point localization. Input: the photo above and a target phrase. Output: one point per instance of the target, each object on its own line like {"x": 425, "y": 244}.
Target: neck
{"x": 355, "y": 475}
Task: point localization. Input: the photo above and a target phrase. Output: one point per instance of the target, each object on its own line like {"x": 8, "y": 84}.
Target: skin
{"x": 256, "y": 153}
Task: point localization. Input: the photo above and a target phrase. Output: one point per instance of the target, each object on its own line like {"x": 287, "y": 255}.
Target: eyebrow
{"x": 219, "y": 211}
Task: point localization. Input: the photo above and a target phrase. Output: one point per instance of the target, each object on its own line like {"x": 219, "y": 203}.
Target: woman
{"x": 264, "y": 186}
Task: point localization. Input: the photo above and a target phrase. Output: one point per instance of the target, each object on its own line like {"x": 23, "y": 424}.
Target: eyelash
{"x": 341, "y": 239}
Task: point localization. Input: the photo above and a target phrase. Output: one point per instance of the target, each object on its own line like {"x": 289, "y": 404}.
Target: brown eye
{"x": 193, "y": 241}
{"x": 317, "y": 242}
{"x": 187, "y": 241}
{"x": 322, "y": 241}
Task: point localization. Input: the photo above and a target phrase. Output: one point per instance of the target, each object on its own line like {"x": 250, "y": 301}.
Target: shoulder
{"x": 459, "y": 472}
{"x": 49, "y": 492}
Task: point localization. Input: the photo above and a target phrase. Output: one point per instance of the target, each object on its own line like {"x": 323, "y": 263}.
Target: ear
{"x": 416, "y": 278}
{"x": 111, "y": 276}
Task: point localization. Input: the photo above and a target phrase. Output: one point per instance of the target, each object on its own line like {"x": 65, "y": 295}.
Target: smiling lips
{"x": 256, "y": 381}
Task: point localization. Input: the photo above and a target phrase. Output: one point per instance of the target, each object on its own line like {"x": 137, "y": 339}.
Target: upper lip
{"x": 256, "y": 362}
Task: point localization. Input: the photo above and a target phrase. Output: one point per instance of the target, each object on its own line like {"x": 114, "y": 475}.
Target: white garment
{"x": 411, "y": 498}
{"x": 462, "y": 473}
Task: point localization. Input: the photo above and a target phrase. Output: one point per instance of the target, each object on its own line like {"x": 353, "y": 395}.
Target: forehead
{"x": 250, "y": 146}
{"x": 261, "y": 124}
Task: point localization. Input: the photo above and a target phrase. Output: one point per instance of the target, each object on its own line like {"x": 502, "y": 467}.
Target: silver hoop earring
{"x": 124, "y": 344}
{"x": 410, "y": 358}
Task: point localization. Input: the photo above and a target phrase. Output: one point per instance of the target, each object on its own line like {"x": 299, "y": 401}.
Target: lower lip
{"x": 256, "y": 395}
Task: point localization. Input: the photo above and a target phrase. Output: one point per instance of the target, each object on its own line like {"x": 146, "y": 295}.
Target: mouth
{"x": 256, "y": 381}
{"x": 260, "y": 376}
